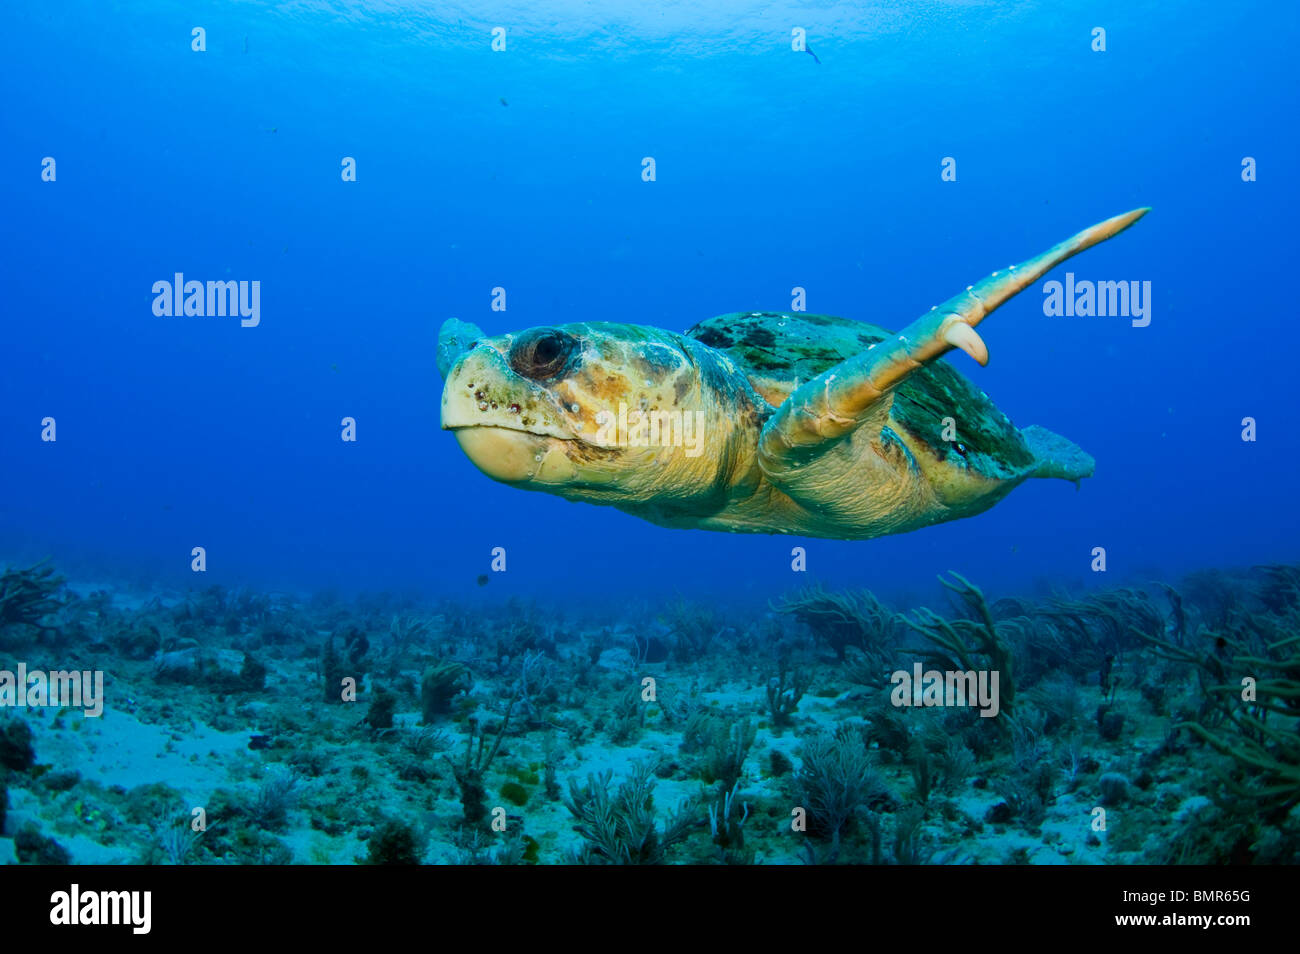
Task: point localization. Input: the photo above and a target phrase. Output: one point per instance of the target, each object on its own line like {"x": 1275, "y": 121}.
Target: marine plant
{"x": 854, "y": 619}
{"x": 955, "y": 764}
{"x": 393, "y": 843}
{"x": 421, "y": 742}
{"x": 922, "y": 770}
{"x": 909, "y": 846}
{"x": 379, "y": 716}
{"x": 620, "y": 828}
{"x": 784, "y": 691}
{"x": 778, "y": 764}
{"x": 628, "y": 717}
{"x": 534, "y": 686}
{"x": 175, "y": 840}
{"x": 333, "y": 672}
{"x": 471, "y": 772}
{"x": 957, "y": 643}
{"x": 473, "y": 847}
{"x": 550, "y": 776}
{"x": 725, "y": 751}
{"x": 728, "y": 834}
{"x": 693, "y": 629}
{"x": 1268, "y": 749}
{"x": 439, "y": 685}
{"x": 402, "y": 631}
{"x": 28, "y": 595}
{"x": 836, "y": 778}
{"x": 1020, "y": 802}
{"x": 1249, "y": 676}
{"x": 278, "y": 793}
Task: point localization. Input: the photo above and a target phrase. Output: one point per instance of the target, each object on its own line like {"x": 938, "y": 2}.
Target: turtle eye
{"x": 542, "y": 353}
{"x": 960, "y": 448}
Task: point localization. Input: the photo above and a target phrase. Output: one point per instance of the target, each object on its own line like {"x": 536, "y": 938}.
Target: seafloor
{"x": 1140, "y": 725}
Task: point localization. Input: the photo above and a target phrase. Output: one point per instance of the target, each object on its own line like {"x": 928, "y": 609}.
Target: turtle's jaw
{"x": 511, "y": 428}
{"x": 514, "y": 456}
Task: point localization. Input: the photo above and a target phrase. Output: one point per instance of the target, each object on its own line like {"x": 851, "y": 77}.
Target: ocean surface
{"x": 376, "y": 168}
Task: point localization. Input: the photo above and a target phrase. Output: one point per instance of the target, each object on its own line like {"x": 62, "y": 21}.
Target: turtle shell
{"x": 779, "y": 351}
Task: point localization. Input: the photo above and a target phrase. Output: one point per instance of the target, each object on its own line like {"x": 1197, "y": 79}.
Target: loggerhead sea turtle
{"x": 757, "y": 422}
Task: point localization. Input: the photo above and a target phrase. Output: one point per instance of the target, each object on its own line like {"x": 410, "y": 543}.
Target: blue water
{"x": 521, "y": 169}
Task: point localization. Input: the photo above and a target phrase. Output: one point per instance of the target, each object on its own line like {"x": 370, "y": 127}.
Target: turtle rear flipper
{"x": 1056, "y": 456}
{"x": 845, "y": 397}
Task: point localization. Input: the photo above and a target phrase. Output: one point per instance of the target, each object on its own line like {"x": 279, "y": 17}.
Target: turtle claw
{"x": 961, "y": 335}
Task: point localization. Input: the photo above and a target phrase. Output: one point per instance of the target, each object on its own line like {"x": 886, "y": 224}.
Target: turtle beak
{"x": 482, "y": 391}
{"x": 509, "y": 427}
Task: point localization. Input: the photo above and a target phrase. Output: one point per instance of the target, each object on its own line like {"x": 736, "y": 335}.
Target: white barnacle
{"x": 574, "y": 408}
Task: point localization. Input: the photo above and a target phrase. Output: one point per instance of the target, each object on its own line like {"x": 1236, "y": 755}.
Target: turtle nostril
{"x": 542, "y": 353}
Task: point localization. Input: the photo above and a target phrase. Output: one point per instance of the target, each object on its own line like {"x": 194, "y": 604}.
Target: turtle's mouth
{"x": 513, "y": 429}
{"x": 515, "y": 456}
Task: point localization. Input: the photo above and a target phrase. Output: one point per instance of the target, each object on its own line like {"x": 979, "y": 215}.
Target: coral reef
{"x": 1152, "y": 724}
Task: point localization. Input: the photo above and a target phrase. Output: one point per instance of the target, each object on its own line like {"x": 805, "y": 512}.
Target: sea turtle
{"x": 758, "y": 422}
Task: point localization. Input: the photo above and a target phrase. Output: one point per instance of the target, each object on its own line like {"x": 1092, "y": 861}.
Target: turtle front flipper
{"x": 845, "y": 397}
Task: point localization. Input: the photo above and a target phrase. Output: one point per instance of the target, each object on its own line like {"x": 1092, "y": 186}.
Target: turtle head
{"x": 603, "y": 412}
